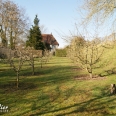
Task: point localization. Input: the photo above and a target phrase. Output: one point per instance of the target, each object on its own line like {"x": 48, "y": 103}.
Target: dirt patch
{"x": 85, "y": 77}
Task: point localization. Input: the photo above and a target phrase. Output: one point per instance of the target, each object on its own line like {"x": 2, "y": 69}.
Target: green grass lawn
{"x": 53, "y": 91}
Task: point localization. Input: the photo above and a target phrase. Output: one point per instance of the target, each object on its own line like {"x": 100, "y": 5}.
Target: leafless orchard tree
{"x": 32, "y": 55}
{"x": 85, "y": 53}
{"x": 45, "y": 57}
{"x": 16, "y": 62}
{"x": 29, "y": 55}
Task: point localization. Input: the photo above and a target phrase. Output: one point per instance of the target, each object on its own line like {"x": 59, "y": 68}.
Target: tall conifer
{"x": 35, "y": 37}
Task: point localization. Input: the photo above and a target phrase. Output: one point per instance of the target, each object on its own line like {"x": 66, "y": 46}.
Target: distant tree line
{"x": 62, "y": 52}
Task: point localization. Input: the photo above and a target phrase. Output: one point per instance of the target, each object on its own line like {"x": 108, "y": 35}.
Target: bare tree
{"x": 13, "y": 22}
{"x": 16, "y": 62}
{"x": 45, "y": 57}
{"x": 30, "y": 56}
{"x": 105, "y": 8}
{"x": 43, "y": 29}
{"x": 3, "y": 28}
{"x": 85, "y": 53}
{"x": 31, "y": 62}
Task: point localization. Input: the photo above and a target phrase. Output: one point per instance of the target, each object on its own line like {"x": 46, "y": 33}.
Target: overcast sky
{"x": 58, "y": 16}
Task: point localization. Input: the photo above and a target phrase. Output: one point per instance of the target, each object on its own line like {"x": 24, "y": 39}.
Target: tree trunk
{"x": 17, "y": 79}
{"x": 11, "y": 40}
{"x": 33, "y": 67}
{"x": 90, "y": 74}
{"x": 33, "y": 70}
{"x": 41, "y": 62}
{"x": 113, "y": 89}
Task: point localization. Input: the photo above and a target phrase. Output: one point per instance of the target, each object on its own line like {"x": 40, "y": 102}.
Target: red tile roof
{"x": 49, "y": 38}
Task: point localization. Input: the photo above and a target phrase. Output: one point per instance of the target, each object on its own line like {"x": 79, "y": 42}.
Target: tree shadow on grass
{"x": 11, "y": 86}
{"x": 108, "y": 72}
{"x": 95, "y": 106}
{"x": 7, "y": 73}
{"x": 42, "y": 77}
{"x": 3, "y": 70}
{"x": 50, "y": 74}
{"x": 46, "y": 100}
{"x": 30, "y": 74}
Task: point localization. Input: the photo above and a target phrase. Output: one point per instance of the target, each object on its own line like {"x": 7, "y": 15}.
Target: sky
{"x": 58, "y": 16}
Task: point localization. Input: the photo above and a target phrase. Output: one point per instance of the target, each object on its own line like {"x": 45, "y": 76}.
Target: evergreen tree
{"x": 35, "y": 37}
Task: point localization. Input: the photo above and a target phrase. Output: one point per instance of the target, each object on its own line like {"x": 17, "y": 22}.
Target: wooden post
{"x": 113, "y": 89}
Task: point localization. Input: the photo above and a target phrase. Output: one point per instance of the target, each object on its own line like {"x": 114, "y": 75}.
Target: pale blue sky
{"x": 58, "y": 16}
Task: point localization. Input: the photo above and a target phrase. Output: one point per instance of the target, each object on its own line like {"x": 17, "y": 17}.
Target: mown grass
{"x": 53, "y": 91}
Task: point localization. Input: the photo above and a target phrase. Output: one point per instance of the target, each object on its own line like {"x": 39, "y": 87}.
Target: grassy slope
{"x": 53, "y": 91}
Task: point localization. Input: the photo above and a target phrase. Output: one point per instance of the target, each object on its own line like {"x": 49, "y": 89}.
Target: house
{"x": 50, "y": 42}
